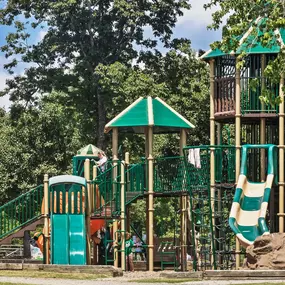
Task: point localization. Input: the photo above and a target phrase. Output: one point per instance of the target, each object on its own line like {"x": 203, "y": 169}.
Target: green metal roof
{"x": 250, "y": 44}
{"x": 89, "y": 150}
{"x": 146, "y": 112}
{"x": 67, "y": 179}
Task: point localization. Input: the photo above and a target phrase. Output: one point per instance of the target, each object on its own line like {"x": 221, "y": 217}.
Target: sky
{"x": 192, "y": 25}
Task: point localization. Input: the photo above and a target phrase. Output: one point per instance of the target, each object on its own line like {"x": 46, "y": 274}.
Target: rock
{"x": 267, "y": 252}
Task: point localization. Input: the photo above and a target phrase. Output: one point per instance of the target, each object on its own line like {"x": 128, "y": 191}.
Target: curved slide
{"x": 247, "y": 216}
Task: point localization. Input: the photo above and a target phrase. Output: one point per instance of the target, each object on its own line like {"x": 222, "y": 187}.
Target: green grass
{"x": 164, "y": 280}
{"x": 47, "y": 274}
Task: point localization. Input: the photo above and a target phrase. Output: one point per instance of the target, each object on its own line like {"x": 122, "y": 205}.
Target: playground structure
{"x": 231, "y": 190}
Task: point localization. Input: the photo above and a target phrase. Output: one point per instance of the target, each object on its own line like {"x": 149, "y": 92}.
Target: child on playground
{"x": 102, "y": 163}
{"x": 129, "y": 252}
{"x": 139, "y": 249}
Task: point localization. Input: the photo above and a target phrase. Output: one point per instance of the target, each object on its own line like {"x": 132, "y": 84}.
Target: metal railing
{"x": 21, "y": 211}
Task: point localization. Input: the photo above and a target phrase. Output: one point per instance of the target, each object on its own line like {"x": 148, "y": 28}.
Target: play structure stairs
{"x": 11, "y": 251}
{"x": 20, "y": 233}
{"x": 21, "y": 214}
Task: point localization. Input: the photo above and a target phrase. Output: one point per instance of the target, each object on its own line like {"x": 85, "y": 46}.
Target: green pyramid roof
{"x": 250, "y": 44}
{"x": 89, "y": 150}
{"x": 146, "y": 112}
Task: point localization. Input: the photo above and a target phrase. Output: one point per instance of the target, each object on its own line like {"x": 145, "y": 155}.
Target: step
{"x": 20, "y": 233}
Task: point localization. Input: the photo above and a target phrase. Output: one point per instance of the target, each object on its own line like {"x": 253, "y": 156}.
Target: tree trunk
{"x": 101, "y": 121}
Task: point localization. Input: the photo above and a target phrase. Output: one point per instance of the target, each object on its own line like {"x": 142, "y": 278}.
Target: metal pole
{"x": 183, "y": 203}
{"x": 88, "y": 208}
{"x": 150, "y": 201}
{"x": 262, "y": 124}
{"x": 115, "y": 139}
{"x": 281, "y": 157}
{"x": 123, "y": 224}
{"x": 46, "y": 219}
{"x": 238, "y": 144}
{"x": 212, "y": 150}
{"x": 115, "y": 238}
{"x": 146, "y": 190}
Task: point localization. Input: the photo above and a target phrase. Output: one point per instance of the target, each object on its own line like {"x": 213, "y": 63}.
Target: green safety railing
{"x": 250, "y": 101}
{"x": 107, "y": 188}
{"x": 135, "y": 182}
{"x": 169, "y": 174}
{"x": 212, "y": 240}
{"x": 21, "y": 211}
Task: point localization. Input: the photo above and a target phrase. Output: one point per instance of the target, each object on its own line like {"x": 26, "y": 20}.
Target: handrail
{"x": 21, "y": 211}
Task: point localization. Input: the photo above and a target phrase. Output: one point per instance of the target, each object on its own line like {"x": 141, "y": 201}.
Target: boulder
{"x": 267, "y": 252}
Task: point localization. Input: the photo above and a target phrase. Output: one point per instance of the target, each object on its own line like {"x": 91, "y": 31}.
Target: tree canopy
{"x": 80, "y": 36}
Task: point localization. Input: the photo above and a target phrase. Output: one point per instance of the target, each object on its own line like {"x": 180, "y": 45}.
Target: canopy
{"x": 249, "y": 42}
{"x": 149, "y": 112}
{"x": 89, "y": 150}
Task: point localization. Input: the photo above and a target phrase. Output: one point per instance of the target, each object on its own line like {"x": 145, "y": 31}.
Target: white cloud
{"x": 41, "y": 35}
{"x": 197, "y": 15}
{"x": 4, "y": 101}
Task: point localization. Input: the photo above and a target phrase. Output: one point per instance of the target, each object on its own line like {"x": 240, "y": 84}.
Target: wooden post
{"x": 281, "y": 156}
{"x": 183, "y": 206}
{"x": 238, "y": 144}
{"x": 123, "y": 224}
{"x": 46, "y": 220}
{"x": 88, "y": 208}
{"x": 150, "y": 200}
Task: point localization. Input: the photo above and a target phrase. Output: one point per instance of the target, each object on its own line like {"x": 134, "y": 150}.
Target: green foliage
{"x": 81, "y": 37}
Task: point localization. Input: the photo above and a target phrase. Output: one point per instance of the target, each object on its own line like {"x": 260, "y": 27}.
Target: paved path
{"x": 120, "y": 280}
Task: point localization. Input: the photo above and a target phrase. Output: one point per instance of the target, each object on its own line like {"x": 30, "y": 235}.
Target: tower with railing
{"x": 236, "y": 91}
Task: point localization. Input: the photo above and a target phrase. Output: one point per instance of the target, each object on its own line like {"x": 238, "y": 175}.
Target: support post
{"x": 46, "y": 220}
{"x": 150, "y": 200}
{"x": 127, "y": 163}
{"x": 115, "y": 139}
{"x": 281, "y": 156}
{"x": 262, "y": 124}
{"x": 183, "y": 203}
{"x": 238, "y": 144}
{"x": 88, "y": 208}
{"x": 212, "y": 149}
{"x": 115, "y": 238}
{"x": 123, "y": 217}
{"x": 146, "y": 190}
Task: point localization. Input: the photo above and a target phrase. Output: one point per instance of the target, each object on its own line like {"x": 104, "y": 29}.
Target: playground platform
{"x": 107, "y": 270}
{"x": 227, "y": 275}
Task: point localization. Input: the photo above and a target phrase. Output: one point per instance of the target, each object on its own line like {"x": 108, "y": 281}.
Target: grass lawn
{"x": 164, "y": 280}
{"x": 46, "y": 274}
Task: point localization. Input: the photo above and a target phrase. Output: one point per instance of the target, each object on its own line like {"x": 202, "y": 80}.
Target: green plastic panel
{"x": 165, "y": 117}
{"x": 136, "y": 116}
{"x": 77, "y": 240}
{"x": 251, "y": 203}
{"x": 250, "y": 232}
{"x": 59, "y": 239}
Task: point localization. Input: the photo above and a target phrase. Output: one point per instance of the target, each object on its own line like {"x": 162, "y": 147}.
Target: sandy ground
{"x": 125, "y": 280}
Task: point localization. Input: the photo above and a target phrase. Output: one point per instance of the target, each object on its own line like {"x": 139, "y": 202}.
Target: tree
{"x": 80, "y": 36}
{"x": 243, "y": 14}
{"x": 42, "y": 140}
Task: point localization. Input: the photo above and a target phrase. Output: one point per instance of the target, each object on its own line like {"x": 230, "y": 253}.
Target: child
{"x": 138, "y": 249}
{"x": 129, "y": 254}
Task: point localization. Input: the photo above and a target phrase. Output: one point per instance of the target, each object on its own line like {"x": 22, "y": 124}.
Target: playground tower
{"x": 236, "y": 108}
